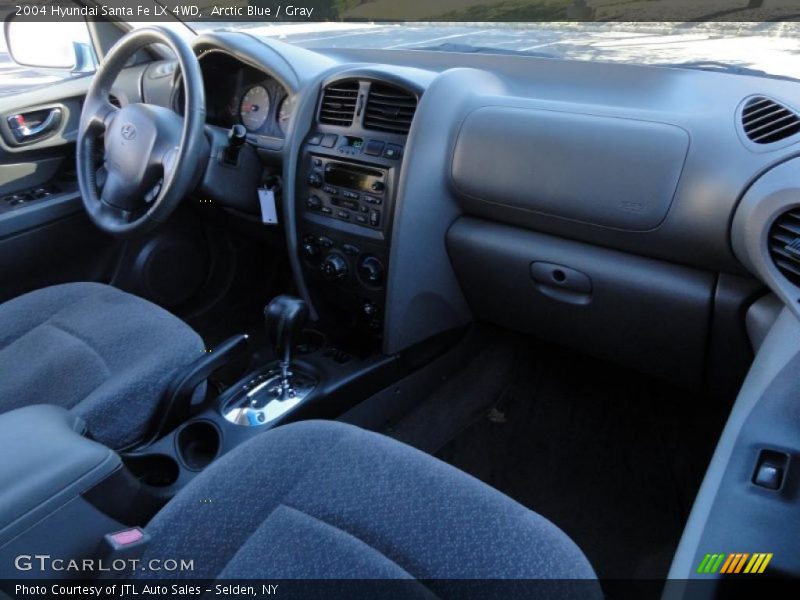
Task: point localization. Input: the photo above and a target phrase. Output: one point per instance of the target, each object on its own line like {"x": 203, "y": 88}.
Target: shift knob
{"x": 285, "y": 316}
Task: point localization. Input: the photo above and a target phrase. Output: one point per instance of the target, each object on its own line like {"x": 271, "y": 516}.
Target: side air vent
{"x": 766, "y": 122}
{"x": 784, "y": 245}
{"x": 389, "y": 109}
{"x": 339, "y": 103}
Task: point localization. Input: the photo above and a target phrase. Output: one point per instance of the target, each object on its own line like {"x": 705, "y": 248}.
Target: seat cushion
{"x": 105, "y": 354}
{"x": 320, "y": 499}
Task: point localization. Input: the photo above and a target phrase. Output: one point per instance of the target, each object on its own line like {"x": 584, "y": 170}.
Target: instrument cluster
{"x": 240, "y": 94}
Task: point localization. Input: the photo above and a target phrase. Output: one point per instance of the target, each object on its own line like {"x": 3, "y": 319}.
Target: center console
{"x": 348, "y": 173}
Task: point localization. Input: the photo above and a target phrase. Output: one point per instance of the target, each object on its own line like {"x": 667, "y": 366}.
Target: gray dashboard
{"x": 644, "y": 160}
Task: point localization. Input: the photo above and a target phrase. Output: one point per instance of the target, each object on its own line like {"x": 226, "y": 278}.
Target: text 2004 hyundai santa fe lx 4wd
{"x": 373, "y": 302}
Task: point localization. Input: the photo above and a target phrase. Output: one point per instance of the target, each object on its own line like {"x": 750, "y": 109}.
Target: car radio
{"x": 355, "y": 177}
{"x": 347, "y": 192}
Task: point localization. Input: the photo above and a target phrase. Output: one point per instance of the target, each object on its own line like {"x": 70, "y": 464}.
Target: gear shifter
{"x": 285, "y": 316}
{"x": 272, "y": 391}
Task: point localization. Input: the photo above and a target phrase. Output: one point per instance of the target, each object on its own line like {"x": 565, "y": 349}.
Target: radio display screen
{"x": 352, "y": 177}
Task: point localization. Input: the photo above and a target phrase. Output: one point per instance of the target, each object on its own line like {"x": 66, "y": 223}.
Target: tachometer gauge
{"x": 254, "y": 108}
{"x": 284, "y": 113}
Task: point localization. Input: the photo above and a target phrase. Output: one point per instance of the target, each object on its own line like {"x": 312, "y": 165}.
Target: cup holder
{"x": 198, "y": 444}
{"x": 156, "y": 470}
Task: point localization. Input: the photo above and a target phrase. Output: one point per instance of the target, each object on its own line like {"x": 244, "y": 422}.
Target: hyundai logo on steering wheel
{"x": 128, "y": 131}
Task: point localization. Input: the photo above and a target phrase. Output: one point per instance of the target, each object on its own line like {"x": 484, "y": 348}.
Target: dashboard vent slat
{"x": 338, "y": 104}
{"x": 784, "y": 245}
{"x": 389, "y": 109}
{"x": 765, "y": 121}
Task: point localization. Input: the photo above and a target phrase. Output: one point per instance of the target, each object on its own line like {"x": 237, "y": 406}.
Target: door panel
{"x": 45, "y": 236}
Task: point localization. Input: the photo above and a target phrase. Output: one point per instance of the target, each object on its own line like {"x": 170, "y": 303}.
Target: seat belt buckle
{"x": 126, "y": 545}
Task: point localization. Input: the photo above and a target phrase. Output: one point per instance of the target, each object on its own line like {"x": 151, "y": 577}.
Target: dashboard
{"x": 579, "y": 180}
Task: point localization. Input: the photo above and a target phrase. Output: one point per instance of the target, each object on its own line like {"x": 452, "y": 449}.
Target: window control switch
{"x": 770, "y": 469}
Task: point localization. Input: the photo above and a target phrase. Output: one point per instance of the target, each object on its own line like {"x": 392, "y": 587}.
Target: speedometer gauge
{"x": 254, "y": 108}
{"x": 284, "y": 113}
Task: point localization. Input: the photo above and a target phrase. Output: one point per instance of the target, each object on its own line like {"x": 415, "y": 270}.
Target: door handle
{"x": 26, "y": 127}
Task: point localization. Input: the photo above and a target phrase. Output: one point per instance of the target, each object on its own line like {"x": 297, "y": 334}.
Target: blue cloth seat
{"x": 105, "y": 354}
{"x": 321, "y": 499}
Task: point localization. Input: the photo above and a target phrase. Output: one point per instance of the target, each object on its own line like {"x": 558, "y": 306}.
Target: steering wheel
{"x": 151, "y": 155}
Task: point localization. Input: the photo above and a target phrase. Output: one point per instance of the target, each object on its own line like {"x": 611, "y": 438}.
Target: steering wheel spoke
{"x": 108, "y": 211}
{"x": 98, "y": 116}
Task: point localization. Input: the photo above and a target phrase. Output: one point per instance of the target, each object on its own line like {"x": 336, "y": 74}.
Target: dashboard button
{"x": 329, "y": 140}
{"x": 315, "y": 139}
{"x": 310, "y": 251}
{"x": 351, "y": 250}
{"x": 314, "y": 179}
{"x": 375, "y": 217}
{"x": 374, "y": 148}
{"x": 314, "y": 202}
{"x": 325, "y": 242}
{"x": 378, "y": 186}
{"x": 393, "y": 151}
{"x": 343, "y": 214}
{"x": 351, "y": 195}
{"x": 361, "y": 219}
{"x": 326, "y": 210}
{"x": 329, "y": 189}
{"x": 369, "y": 309}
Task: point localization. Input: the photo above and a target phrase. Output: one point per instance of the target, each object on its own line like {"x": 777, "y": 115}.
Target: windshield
{"x": 754, "y": 48}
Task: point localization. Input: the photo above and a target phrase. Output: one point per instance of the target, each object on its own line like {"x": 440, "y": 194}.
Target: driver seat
{"x": 106, "y": 355}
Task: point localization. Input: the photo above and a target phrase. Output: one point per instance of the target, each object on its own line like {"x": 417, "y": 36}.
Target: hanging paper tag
{"x": 269, "y": 212}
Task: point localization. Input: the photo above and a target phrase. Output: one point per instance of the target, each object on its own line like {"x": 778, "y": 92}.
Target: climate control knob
{"x": 333, "y": 267}
{"x": 371, "y": 271}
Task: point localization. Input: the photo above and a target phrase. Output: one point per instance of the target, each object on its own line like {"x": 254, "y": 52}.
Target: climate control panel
{"x": 349, "y": 276}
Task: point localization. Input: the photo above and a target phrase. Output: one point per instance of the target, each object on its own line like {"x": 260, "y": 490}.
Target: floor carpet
{"x": 611, "y": 456}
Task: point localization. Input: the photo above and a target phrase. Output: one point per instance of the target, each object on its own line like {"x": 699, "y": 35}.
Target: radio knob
{"x": 371, "y": 271}
{"x": 315, "y": 180}
{"x": 334, "y": 267}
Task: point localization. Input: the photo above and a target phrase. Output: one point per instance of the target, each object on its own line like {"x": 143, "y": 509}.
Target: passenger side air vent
{"x": 339, "y": 103}
{"x": 784, "y": 245}
{"x": 389, "y": 109}
{"x": 766, "y": 122}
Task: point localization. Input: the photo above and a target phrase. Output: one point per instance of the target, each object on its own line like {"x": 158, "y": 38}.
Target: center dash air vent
{"x": 389, "y": 109}
{"x": 339, "y": 103}
{"x": 784, "y": 245}
{"x": 766, "y": 122}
